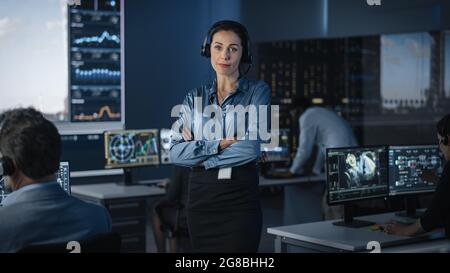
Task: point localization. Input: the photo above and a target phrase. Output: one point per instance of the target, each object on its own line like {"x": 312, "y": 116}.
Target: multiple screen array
{"x": 62, "y": 177}
{"x": 367, "y": 172}
{"x": 75, "y": 72}
{"x": 95, "y": 61}
{"x": 363, "y": 84}
{"x": 133, "y": 148}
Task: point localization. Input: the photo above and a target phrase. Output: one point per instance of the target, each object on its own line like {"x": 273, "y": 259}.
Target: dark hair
{"x": 443, "y": 126}
{"x": 32, "y": 141}
{"x": 237, "y": 28}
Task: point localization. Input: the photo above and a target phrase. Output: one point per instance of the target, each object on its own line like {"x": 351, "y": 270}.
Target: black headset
{"x": 6, "y": 166}
{"x": 446, "y": 123}
{"x": 206, "y": 47}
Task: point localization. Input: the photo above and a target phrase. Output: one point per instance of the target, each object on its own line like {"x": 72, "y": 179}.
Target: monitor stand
{"x": 349, "y": 221}
{"x": 410, "y": 208}
{"x": 127, "y": 177}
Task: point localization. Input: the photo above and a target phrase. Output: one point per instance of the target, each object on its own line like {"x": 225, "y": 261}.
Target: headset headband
{"x": 246, "y": 56}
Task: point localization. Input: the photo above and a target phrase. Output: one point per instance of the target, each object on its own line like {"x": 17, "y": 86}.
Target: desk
{"x": 128, "y": 207}
{"x": 265, "y": 182}
{"x": 302, "y": 200}
{"x": 326, "y": 237}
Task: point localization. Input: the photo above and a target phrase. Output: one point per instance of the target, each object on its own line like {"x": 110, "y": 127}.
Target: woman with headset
{"x": 438, "y": 214}
{"x": 224, "y": 213}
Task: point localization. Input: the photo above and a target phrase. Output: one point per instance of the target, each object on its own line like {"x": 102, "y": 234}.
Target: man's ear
{"x": 16, "y": 171}
{"x": 14, "y": 166}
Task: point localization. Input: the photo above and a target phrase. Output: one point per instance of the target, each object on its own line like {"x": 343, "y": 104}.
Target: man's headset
{"x": 246, "y": 55}
{"x": 445, "y": 132}
{"x": 6, "y": 166}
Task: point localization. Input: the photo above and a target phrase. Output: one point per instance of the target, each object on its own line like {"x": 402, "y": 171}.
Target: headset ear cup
{"x": 7, "y": 166}
{"x": 207, "y": 51}
{"x": 445, "y": 131}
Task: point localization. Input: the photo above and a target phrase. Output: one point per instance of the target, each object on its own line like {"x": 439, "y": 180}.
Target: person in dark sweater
{"x": 438, "y": 214}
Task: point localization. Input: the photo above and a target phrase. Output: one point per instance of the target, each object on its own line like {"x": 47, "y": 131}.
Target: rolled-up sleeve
{"x": 189, "y": 153}
{"x": 193, "y": 153}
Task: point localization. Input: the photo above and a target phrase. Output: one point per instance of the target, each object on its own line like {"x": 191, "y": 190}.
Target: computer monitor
{"x": 62, "y": 177}
{"x": 131, "y": 148}
{"x": 280, "y": 152}
{"x": 406, "y": 164}
{"x": 165, "y": 140}
{"x": 356, "y": 173}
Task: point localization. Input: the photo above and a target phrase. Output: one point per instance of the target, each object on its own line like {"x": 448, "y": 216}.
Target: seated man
{"x": 438, "y": 214}
{"x": 38, "y": 210}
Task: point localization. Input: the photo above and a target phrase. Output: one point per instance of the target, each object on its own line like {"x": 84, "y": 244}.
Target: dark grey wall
{"x": 269, "y": 20}
{"x": 355, "y": 17}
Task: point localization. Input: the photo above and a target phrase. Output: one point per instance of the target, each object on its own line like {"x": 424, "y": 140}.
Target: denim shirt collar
{"x": 11, "y": 198}
{"x": 212, "y": 89}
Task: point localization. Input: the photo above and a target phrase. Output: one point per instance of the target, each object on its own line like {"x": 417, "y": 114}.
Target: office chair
{"x": 103, "y": 243}
{"x": 169, "y": 215}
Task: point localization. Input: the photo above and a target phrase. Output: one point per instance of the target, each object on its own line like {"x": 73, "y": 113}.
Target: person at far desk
{"x": 325, "y": 129}
{"x": 438, "y": 214}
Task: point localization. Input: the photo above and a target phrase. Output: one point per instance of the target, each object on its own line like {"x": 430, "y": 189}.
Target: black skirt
{"x": 224, "y": 215}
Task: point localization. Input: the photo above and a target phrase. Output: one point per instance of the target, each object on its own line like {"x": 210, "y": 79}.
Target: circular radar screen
{"x": 121, "y": 148}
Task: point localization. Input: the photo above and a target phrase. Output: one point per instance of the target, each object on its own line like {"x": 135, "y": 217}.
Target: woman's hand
{"x": 224, "y": 143}
{"x": 429, "y": 176}
{"x": 397, "y": 228}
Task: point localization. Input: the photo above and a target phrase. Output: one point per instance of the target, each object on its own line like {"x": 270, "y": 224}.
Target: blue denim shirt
{"x": 203, "y": 149}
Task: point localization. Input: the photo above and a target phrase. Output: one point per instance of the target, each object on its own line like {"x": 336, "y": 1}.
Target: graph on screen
{"x": 95, "y": 68}
{"x": 73, "y": 72}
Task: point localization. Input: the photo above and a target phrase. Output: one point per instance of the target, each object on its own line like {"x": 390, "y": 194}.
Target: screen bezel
{"x": 344, "y": 201}
{"x": 406, "y": 193}
{"x": 131, "y": 165}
